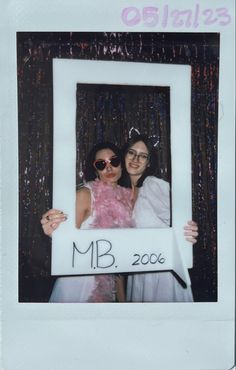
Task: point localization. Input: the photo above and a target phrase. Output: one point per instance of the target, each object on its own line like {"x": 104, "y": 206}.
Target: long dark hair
{"x": 151, "y": 170}
{"x": 90, "y": 172}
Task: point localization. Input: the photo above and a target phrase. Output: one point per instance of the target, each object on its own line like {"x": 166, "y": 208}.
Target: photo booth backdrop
{"x": 117, "y": 112}
{"x": 35, "y": 51}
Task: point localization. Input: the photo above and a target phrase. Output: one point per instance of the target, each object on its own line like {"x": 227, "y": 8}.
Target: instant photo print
{"x": 77, "y": 73}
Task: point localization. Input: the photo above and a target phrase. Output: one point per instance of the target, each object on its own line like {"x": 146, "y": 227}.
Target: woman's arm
{"x": 83, "y": 205}
{"x": 120, "y": 288}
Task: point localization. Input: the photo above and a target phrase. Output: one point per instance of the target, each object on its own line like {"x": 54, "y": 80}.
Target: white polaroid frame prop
{"x": 75, "y": 251}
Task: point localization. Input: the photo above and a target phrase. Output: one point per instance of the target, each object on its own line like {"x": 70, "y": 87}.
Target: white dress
{"x": 152, "y": 209}
{"x": 96, "y": 288}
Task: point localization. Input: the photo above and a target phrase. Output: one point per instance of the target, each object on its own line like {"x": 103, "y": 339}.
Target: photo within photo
{"x": 115, "y": 113}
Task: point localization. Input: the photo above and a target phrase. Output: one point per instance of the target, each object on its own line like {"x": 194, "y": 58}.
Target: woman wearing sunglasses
{"x": 151, "y": 209}
{"x": 100, "y": 203}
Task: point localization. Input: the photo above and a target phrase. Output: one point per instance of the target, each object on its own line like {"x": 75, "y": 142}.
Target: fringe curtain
{"x": 112, "y": 112}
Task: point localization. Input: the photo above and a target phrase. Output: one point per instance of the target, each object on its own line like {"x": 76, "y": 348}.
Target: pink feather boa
{"x": 112, "y": 208}
{"x": 112, "y": 205}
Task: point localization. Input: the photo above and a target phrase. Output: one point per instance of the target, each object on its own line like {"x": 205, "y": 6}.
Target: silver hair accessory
{"x": 155, "y": 140}
{"x": 132, "y": 131}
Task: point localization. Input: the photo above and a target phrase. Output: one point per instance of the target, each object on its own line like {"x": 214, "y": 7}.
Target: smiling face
{"x": 136, "y": 160}
{"x": 110, "y": 174}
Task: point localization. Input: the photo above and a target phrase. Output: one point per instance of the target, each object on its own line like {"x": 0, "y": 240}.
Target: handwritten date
{"x": 152, "y": 16}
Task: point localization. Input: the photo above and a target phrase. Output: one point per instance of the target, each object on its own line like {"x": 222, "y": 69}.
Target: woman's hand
{"x": 51, "y": 220}
{"x": 191, "y": 232}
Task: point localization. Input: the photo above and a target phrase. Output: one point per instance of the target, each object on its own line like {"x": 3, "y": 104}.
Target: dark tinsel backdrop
{"x": 113, "y": 112}
{"x": 111, "y": 109}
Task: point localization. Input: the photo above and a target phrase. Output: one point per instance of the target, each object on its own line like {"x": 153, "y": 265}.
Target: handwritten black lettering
{"x": 146, "y": 258}
{"x": 76, "y": 249}
{"x": 137, "y": 260}
{"x": 103, "y": 256}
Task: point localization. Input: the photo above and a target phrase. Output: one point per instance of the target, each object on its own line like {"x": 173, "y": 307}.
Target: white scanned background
{"x": 103, "y": 336}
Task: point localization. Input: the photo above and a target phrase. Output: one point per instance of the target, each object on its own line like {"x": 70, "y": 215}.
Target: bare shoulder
{"x": 83, "y": 191}
{"x": 83, "y": 195}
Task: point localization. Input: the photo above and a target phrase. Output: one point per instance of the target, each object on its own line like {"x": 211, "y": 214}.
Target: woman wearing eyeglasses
{"x": 100, "y": 203}
{"x": 151, "y": 198}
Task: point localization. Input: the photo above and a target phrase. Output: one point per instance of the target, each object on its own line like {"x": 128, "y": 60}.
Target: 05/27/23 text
{"x": 151, "y": 16}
